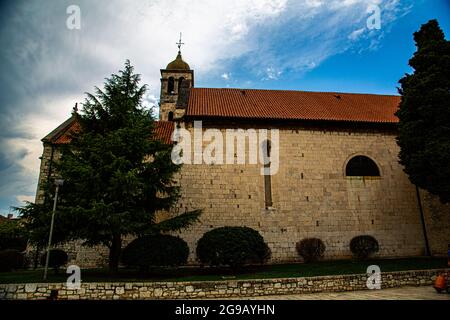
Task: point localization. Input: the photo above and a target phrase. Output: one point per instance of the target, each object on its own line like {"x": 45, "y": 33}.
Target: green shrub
{"x": 11, "y": 259}
{"x": 58, "y": 258}
{"x": 310, "y": 249}
{"x": 13, "y": 242}
{"x": 12, "y": 235}
{"x": 155, "y": 250}
{"x": 363, "y": 246}
{"x": 232, "y": 246}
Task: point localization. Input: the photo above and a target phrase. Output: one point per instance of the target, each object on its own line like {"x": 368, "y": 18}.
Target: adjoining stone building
{"x": 338, "y": 174}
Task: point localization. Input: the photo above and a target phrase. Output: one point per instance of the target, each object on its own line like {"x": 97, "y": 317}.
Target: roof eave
{"x": 261, "y": 119}
{"x": 59, "y": 131}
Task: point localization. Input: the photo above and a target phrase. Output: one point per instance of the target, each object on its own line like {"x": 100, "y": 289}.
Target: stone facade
{"x": 311, "y": 196}
{"x": 437, "y": 222}
{"x": 49, "y": 155}
{"x": 214, "y": 289}
{"x": 168, "y": 100}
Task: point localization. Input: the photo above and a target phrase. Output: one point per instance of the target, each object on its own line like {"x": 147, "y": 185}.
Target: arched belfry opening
{"x": 171, "y": 85}
{"x": 180, "y": 84}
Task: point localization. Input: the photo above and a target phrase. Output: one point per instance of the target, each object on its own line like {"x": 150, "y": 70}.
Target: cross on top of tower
{"x": 179, "y": 43}
{"x": 178, "y": 63}
{"x": 75, "y": 109}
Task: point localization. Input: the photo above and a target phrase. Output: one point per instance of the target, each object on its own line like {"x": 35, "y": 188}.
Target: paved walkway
{"x": 404, "y": 293}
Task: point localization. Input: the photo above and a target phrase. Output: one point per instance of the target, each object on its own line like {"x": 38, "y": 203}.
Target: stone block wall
{"x": 437, "y": 222}
{"x": 214, "y": 289}
{"x": 168, "y": 100}
{"x": 311, "y": 195}
{"x": 48, "y": 156}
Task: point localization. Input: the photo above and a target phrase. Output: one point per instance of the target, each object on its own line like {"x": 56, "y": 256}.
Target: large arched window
{"x": 361, "y": 166}
{"x": 171, "y": 85}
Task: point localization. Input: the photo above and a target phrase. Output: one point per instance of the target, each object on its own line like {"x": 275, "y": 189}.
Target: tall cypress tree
{"x": 117, "y": 174}
{"x": 424, "y": 127}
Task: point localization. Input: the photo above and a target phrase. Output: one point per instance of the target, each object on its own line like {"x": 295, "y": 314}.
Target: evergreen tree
{"x": 117, "y": 174}
{"x": 12, "y": 235}
{"x": 424, "y": 127}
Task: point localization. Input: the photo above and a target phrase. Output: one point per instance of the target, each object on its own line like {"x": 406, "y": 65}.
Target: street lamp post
{"x": 58, "y": 183}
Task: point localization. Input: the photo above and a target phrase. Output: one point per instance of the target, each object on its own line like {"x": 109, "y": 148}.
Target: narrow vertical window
{"x": 171, "y": 85}
{"x": 170, "y": 116}
{"x": 267, "y": 177}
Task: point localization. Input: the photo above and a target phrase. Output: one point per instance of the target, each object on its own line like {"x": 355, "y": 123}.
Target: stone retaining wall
{"x": 214, "y": 289}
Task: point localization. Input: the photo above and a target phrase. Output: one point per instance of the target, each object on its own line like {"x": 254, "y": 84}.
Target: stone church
{"x": 338, "y": 174}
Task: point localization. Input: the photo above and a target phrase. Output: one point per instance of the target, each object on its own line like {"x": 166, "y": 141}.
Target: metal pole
{"x": 51, "y": 232}
{"x": 424, "y": 227}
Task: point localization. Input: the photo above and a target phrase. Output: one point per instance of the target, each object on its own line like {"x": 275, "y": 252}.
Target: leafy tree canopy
{"x": 12, "y": 235}
{"x": 424, "y": 128}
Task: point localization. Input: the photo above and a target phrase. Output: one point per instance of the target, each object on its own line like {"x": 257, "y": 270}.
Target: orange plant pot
{"x": 440, "y": 283}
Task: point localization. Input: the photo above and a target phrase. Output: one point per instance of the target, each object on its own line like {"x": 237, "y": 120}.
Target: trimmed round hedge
{"x": 364, "y": 246}
{"x": 155, "y": 250}
{"x": 11, "y": 259}
{"x": 232, "y": 246}
{"x": 311, "y": 249}
{"x": 58, "y": 258}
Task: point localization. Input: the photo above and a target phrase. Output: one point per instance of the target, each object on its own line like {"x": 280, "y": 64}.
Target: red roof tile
{"x": 292, "y": 105}
{"x": 65, "y": 136}
{"x": 163, "y": 131}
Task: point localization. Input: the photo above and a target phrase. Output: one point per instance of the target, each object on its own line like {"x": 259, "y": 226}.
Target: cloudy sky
{"x": 278, "y": 44}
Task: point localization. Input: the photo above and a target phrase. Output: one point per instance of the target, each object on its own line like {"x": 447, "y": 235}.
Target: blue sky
{"x": 313, "y": 45}
{"x": 359, "y": 68}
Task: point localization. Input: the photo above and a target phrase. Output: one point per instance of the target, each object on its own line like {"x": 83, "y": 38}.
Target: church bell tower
{"x": 176, "y": 80}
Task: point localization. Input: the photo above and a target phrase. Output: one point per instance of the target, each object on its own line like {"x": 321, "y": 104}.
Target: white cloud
{"x": 23, "y": 198}
{"x": 272, "y": 74}
{"x": 356, "y": 34}
{"x": 226, "y": 76}
{"x": 314, "y": 3}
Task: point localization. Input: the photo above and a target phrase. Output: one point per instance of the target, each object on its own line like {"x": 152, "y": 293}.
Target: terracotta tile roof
{"x": 61, "y": 135}
{"x": 65, "y": 137}
{"x": 292, "y": 105}
{"x": 164, "y": 130}
{"x": 56, "y": 136}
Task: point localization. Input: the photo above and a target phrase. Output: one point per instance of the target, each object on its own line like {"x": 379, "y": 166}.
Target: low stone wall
{"x": 215, "y": 289}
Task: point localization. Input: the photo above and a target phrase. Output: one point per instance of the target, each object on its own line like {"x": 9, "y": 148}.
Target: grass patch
{"x": 337, "y": 267}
